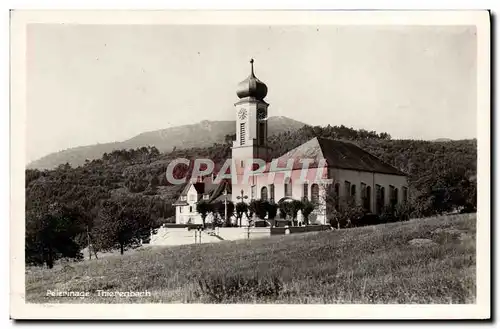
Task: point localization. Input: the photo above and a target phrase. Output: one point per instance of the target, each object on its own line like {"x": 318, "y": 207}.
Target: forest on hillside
{"x": 442, "y": 178}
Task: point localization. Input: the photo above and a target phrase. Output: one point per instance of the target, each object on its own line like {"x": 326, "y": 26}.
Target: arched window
{"x": 382, "y": 197}
{"x": 379, "y": 205}
{"x": 368, "y": 198}
{"x": 305, "y": 193}
{"x": 392, "y": 195}
{"x": 337, "y": 196}
{"x": 263, "y": 193}
{"x": 315, "y": 193}
{"x": 271, "y": 191}
{"x": 288, "y": 187}
{"x": 347, "y": 189}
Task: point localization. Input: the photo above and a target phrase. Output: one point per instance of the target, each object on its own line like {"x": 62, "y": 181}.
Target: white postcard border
{"x": 20, "y": 310}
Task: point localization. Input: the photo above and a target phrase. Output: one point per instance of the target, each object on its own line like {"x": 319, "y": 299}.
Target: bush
{"x": 220, "y": 288}
{"x": 259, "y": 208}
{"x": 272, "y": 210}
{"x": 398, "y": 213}
{"x": 307, "y": 208}
{"x": 388, "y": 214}
{"x": 403, "y": 212}
{"x": 366, "y": 220}
{"x": 347, "y": 216}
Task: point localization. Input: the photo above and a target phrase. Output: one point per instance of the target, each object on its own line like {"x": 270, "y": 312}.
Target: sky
{"x": 90, "y": 84}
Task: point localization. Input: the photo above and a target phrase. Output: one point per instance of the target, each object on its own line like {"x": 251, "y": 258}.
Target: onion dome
{"x": 252, "y": 87}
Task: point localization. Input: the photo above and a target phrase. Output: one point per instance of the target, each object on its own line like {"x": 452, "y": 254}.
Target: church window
{"x": 368, "y": 198}
{"x": 363, "y": 194}
{"x": 347, "y": 191}
{"x": 379, "y": 199}
{"x": 393, "y": 195}
{"x": 271, "y": 192}
{"x": 337, "y": 196}
{"x": 315, "y": 193}
{"x": 263, "y": 193}
{"x": 190, "y": 208}
{"x": 288, "y": 187}
{"x": 306, "y": 191}
{"x": 242, "y": 134}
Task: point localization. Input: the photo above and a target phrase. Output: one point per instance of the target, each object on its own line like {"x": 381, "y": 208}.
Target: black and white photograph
{"x": 227, "y": 164}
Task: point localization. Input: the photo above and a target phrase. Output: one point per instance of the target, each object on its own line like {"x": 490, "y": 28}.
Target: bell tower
{"x": 251, "y": 120}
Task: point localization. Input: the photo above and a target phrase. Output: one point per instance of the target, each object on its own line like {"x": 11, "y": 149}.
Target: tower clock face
{"x": 242, "y": 114}
{"x": 261, "y": 114}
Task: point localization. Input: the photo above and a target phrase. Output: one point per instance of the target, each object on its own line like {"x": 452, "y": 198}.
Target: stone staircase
{"x": 181, "y": 236}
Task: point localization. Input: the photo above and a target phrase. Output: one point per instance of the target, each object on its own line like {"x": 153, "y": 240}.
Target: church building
{"x": 309, "y": 171}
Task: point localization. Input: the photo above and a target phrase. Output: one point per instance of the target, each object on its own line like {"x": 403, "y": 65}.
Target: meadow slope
{"x": 376, "y": 264}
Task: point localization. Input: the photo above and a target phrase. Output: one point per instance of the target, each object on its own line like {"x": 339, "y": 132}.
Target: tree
{"x": 259, "y": 208}
{"x": 284, "y": 208}
{"x": 241, "y": 209}
{"x": 51, "y": 235}
{"x": 294, "y": 208}
{"x": 153, "y": 185}
{"x": 219, "y": 209}
{"x": 230, "y": 212}
{"x": 307, "y": 208}
{"x": 204, "y": 208}
{"x": 289, "y": 209}
{"x": 341, "y": 212}
{"x": 123, "y": 222}
{"x": 346, "y": 216}
{"x": 272, "y": 210}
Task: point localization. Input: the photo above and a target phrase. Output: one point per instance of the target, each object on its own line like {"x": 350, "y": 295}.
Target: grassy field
{"x": 377, "y": 264}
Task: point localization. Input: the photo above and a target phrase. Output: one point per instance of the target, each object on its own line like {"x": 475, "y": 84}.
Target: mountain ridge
{"x": 202, "y": 134}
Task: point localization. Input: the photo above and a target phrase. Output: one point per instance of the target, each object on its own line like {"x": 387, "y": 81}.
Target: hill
{"x": 429, "y": 260}
{"x": 202, "y": 134}
{"x": 442, "y": 175}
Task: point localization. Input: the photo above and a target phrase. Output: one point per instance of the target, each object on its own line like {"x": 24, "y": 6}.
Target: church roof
{"x": 214, "y": 191}
{"x": 338, "y": 154}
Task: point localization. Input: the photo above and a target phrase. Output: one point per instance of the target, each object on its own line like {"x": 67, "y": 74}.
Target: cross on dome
{"x": 251, "y": 86}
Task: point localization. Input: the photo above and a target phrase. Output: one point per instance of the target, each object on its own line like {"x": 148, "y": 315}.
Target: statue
{"x": 300, "y": 218}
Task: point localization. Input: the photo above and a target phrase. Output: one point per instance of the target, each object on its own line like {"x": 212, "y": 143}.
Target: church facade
{"x": 310, "y": 171}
